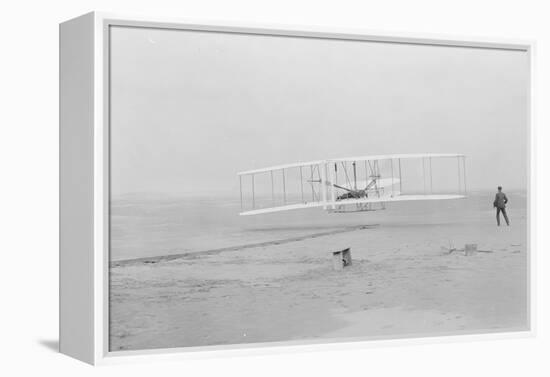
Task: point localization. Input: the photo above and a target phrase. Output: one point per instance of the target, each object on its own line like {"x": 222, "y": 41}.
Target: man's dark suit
{"x": 500, "y": 205}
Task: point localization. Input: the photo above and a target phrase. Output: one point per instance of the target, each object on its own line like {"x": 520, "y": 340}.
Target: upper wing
{"x": 350, "y": 159}
{"x": 281, "y": 167}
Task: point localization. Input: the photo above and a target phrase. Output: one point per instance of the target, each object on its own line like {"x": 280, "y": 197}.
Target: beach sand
{"x": 403, "y": 280}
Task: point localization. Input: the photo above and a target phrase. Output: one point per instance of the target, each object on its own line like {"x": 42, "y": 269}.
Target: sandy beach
{"x": 272, "y": 279}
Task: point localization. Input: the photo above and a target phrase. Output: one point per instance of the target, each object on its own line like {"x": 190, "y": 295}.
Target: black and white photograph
{"x": 275, "y": 188}
{"x": 271, "y": 188}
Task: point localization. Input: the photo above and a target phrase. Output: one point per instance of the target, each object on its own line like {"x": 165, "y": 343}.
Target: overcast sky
{"x": 191, "y": 109}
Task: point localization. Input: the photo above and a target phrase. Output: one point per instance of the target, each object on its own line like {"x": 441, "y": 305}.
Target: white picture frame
{"x": 84, "y": 183}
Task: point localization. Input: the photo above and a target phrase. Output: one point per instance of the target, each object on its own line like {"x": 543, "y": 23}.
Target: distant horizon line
{"x": 224, "y": 194}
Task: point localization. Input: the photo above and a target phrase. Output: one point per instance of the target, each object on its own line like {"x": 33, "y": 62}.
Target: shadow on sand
{"x": 195, "y": 254}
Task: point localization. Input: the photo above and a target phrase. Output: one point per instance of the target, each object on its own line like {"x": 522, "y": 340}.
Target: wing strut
{"x": 272, "y": 188}
{"x": 323, "y": 174}
{"x": 459, "y": 178}
{"x": 424, "y": 173}
{"x": 464, "y": 172}
{"x": 400, "y": 181}
{"x": 354, "y": 176}
{"x": 431, "y": 178}
{"x": 392, "y": 185}
{"x": 253, "y": 195}
{"x": 312, "y": 189}
{"x": 332, "y": 180}
{"x": 302, "y": 183}
{"x": 284, "y": 187}
{"x": 241, "y": 190}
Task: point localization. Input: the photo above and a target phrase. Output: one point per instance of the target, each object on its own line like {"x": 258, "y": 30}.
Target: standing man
{"x": 500, "y": 205}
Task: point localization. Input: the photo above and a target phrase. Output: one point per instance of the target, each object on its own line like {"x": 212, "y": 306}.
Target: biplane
{"x": 352, "y": 184}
